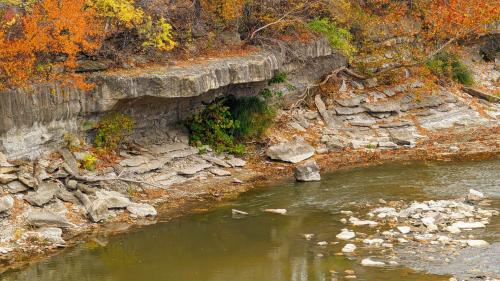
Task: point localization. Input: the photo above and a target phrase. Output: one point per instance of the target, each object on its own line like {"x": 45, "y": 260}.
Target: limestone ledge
{"x": 39, "y": 118}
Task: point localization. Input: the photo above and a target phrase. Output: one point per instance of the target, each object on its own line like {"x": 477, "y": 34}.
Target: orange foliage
{"x": 62, "y": 28}
{"x": 225, "y": 9}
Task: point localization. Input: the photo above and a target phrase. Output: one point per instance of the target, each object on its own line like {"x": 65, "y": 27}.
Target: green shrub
{"x": 228, "y": 122}
{"x": 254, "y": 116}
{"x": 112, "y": 130}
{"x": 280, "y": 77}
{"x": 339, "y": 38}
{"x": 213, "y": 126}
{"x": 449, "y": 65}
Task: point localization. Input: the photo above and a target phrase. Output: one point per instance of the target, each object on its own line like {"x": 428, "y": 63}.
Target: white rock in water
{"x": 477, "y": 243}
{"x": 404, "y": 229}
{"x": 428, "y": 221}
{"x": 349, "y": 248}
{"x": 276, "y": 211}
{"x": 462, "y": 224}
{"x": 308, "y": 236}
{"x": 475, "y": 195}
{"x": 358, "y": 222}
{"x": 238, "y": 212}
{"x": 370, "y": 262}
{"x": 375, "y": 241}
{"x": 322, "y": 243}
{"x": 453, "y": 229}
{"x": 346, "y": 234}
{"x": 444, "y": 239}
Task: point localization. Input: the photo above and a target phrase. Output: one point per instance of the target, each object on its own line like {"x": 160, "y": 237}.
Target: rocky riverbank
{"x": 45, "y": 203}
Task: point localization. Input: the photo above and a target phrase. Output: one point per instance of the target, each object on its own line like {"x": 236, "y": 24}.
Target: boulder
{"x": 350, "y": 102}
{"x": 141, "y": 210}
{"x": 90, "y": 66}
{"x": 216, "y": 161}
{"x": 292, "y": 152}
{"x": 113, "y": 199}
{"x": 45, "y": 193}
{"x": 6, "y": 203}
{"x": 309, "y": 171}
{"x": 477, "y": 243}
{"x": 28, "y": 180}
{"x": 44, "y": 218}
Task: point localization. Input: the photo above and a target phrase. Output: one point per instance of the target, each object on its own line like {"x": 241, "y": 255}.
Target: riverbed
{"x": 216, "y": 245}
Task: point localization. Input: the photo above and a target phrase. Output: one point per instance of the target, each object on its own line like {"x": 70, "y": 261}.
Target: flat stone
{"x": 166, "y": 148}
{"x": 6, "y": 178}
{"x": 350, "y": 102}
{"x": 141, "y": 210}
{"x": 362, "y": 123}
{"x": 339, "y": 110}
{"x": 477, "y": 243}
{"x": 276, "y": 211}
{"x": 6, "y": 203}
{"x": 191, "y": 170}
{"x": 16, "y": 187}
{"x": 345, "y": 235}
{"x": 309, "y": 171}
{"x": 70, "y": 160}
{"x": 112, "y": 199}
{"x": 216, "y": 161}
{"x": 152, "y": 165}
{"x": 7, "y": 170}
{"x": 372, "y": 263}
{"x": 45, "y": 193}
{"x": 28, "y": 180}
{"x": 51, "y": 234}
{"x": 387, "y": 144}
{"x": 384, "y": 106}
{"x": 67, "y": 196}
{"x": 398, "y": 124}
{"x": 90, "y": 66}
{"x": 134, "y": 161}
{"x": 404, "y": 229}
{"x": 467, "y": 225}
{"x": 371, "y": 242}
{"x": 292, "y": 152}
{"x": 85, "y": 188}
{"x": 453, "y": 229}
{"x": 296, "y": 126}
{"x": 325, "y": 114}
{"x": 3, "y": 161}
{"x": 220, "y": 172}
{"x": 44, "y": 218}
{"x": 236, "y": 162}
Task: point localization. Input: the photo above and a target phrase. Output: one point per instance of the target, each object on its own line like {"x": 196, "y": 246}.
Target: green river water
{"x": 214, "y": 246}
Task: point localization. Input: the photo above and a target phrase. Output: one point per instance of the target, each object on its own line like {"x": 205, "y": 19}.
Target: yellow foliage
{"x": 158, "y": 35}
{"x": 227, "y": 10}
{"x": 123, "y": 11}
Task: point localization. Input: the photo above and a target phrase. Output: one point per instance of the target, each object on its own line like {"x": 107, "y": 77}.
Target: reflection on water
{"x": 214, "y": 246}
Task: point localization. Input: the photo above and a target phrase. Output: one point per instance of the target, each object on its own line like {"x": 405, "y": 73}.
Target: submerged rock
{"x": 370, "y": 262}
{"x": 309, "y": 171}
{"x": 477, "y": 243}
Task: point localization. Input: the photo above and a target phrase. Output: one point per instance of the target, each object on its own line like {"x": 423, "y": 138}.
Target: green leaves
{"x": 112, "y": 130}
{"x": 449, "y": 65}
{"x": 339, "y": 38}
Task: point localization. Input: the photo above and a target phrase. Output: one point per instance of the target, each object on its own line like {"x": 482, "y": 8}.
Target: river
{"x": 216, "y": 246}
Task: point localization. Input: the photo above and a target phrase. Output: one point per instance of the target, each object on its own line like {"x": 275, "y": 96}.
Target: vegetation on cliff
{"x": 44, "y": 40}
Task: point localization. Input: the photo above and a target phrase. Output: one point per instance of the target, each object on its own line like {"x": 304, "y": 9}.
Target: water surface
{"x": 214, "y": 246}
